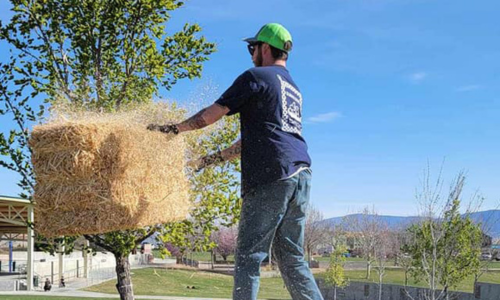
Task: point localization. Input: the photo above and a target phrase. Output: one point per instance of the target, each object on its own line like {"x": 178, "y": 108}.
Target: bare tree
{"x": 386, "y": 247}
{"x": 316, "y": 231}
{"x": 366, "y": 227}
{"x": 337, "y": 236}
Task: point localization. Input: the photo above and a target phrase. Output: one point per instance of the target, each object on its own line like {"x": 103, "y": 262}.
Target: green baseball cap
{"x": 275, "y": 35}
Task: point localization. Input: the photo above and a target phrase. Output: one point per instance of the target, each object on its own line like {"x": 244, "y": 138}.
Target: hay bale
{"x": 95, "y": 176}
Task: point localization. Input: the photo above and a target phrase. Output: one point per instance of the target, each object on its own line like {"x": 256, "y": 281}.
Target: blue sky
{"x": 389, "y": 86}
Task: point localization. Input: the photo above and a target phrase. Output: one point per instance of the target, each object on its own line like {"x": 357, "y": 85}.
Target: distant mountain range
{"x": 490, "y": 220}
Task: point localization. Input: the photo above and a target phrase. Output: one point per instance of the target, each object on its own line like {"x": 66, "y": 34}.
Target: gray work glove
{"x": 205, "y": 161}
{"x": 168, "y": 128}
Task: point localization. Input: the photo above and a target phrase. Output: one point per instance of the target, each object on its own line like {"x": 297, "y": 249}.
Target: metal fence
{"x": 76, "y": 277}
{"x": 15, "y": 266}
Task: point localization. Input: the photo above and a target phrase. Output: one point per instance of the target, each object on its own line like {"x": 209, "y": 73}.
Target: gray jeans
{"x": 275, "y": 214}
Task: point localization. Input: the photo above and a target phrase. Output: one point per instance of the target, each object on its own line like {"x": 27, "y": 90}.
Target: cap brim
{"x": 250, "y": 40}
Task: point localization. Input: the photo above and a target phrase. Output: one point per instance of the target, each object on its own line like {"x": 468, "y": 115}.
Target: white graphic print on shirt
{"x": 291, "y": 102}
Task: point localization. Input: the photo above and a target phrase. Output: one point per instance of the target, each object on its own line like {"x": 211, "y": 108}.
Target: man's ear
{"x": 266, "y": 47}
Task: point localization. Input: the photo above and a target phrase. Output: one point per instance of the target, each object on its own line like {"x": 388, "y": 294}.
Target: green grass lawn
{"x": 168, "y": 282}
{"x": 9, "y": 297}
{"x": 397, "y": 277}
{"x": 327, "y": 259}
{"x": 199, "y": 256}
{"x": 205, "y": 256}
{"x": 491, "y": 264}
{"x": 156, "y": 253}
{"x": 494, "y": 265}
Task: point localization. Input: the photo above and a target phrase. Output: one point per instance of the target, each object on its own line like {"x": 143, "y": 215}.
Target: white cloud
{"x": 324, "y": 118}
{"x": 468, "y": 88}
{"x": 418, "y": 77}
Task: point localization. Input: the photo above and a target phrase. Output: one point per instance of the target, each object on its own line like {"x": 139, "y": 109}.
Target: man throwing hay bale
{"x": 275, "y": 165}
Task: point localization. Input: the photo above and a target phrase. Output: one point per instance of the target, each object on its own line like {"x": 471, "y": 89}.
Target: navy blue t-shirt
{"x": 270, "y": 107}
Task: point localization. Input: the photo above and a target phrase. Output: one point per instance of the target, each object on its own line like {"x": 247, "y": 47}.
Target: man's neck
{"x": 279, "y": 62}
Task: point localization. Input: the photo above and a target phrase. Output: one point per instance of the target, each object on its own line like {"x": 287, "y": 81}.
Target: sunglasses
{"x": 252, "y": 47}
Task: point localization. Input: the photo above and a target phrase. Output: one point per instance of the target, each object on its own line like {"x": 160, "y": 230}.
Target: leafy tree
{"x": 443, "y": 247}
{"x": 334, "y": 275}
{"x": 485, "y": 242}
{"x": 105, "y": 54}
{"x": 403, "y": 259}
{"x": 216, "y": 194}
{"x": 172, "y": 250}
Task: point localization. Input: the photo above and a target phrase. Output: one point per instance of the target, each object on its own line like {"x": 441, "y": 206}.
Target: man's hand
{"x": 168, "y": 128}
{"x": 220, "y": 156}
{"x": 205, "y": 161}
{"x": 195, "y": 165}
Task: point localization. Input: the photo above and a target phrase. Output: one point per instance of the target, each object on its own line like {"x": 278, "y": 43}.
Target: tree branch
{"x": 60, "y": 76}
{"x": 97, "y": 240}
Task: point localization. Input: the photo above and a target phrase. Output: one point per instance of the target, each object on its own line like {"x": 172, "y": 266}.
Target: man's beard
{"x": 258, "y": 59}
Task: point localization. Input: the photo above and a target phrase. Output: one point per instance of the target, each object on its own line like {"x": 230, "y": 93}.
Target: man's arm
{"x": 234, "y": 151}
{"x": 203, "y": 118}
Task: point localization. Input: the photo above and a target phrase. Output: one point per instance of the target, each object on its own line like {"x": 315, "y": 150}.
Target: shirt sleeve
{"x": 243, "y": 89}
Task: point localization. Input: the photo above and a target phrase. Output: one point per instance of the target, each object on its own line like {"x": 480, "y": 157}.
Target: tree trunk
{"x": 368, "y": 269}
{"x": 212, "y": 258}
{"x": 335, "y": 292}
{"x": 124, "y": 284}
{"x": 380, "y": 277}
{"x": 270, "y": 256}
